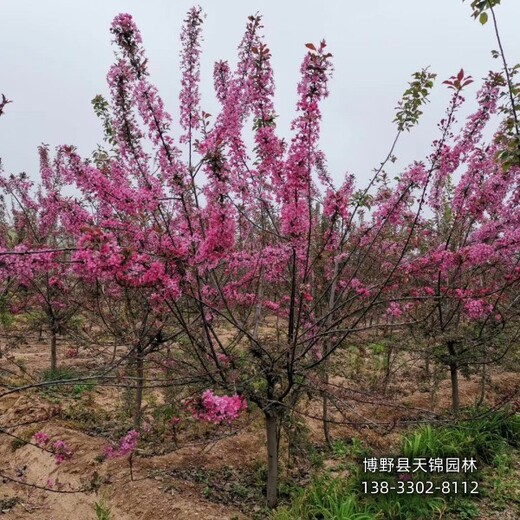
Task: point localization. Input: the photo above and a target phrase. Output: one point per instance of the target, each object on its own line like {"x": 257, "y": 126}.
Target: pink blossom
{"x": 475, "y": 309}
{"x": 62, "y": 452}
{"x": 127, "y": 446}
{"x": 41, "y": 439}
{"x": 394, "y": 310}
{"x": 217, "y": 409}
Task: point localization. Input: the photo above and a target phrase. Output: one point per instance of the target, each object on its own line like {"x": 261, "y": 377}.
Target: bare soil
{"x": 215, "y": 476}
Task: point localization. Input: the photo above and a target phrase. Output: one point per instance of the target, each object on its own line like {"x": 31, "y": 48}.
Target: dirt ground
{"x": 171, "y": 485}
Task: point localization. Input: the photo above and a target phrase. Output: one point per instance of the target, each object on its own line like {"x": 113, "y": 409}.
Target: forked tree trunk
{"x": 272, "y": 433}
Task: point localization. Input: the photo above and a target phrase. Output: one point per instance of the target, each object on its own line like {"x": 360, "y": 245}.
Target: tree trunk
{"x": 454, "y": 375}
{"x": 388, "y": 366}
{"x": 483, "y": 380}
{"x": 326, "y": 426}
{"x": 139, "y": 369}
{"x": 54, "y": 353}
{"x": 272, "y": 432}
{"x": 455, "y": 399}
{"x": 325, "y": 367}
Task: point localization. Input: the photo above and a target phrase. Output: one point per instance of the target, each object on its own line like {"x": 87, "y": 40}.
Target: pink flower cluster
{"x": 217, "y": 409}
{"x": 394, "y": 310}
{"x": 41, "y": 439}
{"x": 59, "y": 448}
{"x": 127, "y": 446}
{"x": 476, "y": 309}
{"x": 62, "y": 451}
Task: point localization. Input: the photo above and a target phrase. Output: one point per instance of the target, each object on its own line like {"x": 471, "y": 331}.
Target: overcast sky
{"x": 54, "y": 56}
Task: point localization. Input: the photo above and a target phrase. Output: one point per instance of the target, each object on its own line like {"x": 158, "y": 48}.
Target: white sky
{"x": 54, "y": 55}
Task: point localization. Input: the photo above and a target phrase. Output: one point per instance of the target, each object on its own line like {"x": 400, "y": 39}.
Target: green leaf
{"x": 483, "y": 18}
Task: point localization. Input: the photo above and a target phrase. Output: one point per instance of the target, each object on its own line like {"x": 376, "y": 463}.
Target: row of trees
{"x": 244, "y": 269}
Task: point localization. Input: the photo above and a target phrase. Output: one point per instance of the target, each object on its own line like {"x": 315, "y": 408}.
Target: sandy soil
{"x": 162, "y": 485}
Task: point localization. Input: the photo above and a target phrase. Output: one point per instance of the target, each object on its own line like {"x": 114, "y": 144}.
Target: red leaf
{"x": 460, "y": 75}
{"x": 310, "y": 46}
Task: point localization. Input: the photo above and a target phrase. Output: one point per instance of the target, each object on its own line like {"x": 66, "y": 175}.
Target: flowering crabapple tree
{"x": 247, "y": 262}
{"x": 36, "y": 254}
{"x": 458, "y": 286}
{"x": 258, "y": 260}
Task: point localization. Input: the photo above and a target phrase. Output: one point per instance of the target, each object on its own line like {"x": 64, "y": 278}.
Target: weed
{"x": 408, "y": 507}
{"x": 17, "y": 444}
{"x": 464, "y": 509}
{"x": 339, "y": 449}
{"x": 325, "y": 498}
{"x": 59, "y": 374}
{"x": 102, "y": 511}
{"x": 79, "y": 390}
{"x": 239, "y": 490}
{"x": 355, "y": 449}
{"x": 6, "y": 504}
{"x": 315, "y": 458}
{"x": 478, "y": 439}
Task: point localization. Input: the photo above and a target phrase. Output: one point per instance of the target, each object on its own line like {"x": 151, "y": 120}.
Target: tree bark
{"x": 272, "y": 433}
{"x": 388, "y": 366}
{"x": 325, "y": 368}
{"x": 54, "y": 349}
{"x": 139, "y": 369}
{"x": 325, "y": 409}
{"x": 455, "y": 399}
{"x": 483, "y": 380}
{"x": 454, "y": 375}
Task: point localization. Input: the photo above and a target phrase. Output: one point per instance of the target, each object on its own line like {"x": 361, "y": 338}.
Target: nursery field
{"x": 204, "y": 318}
{"x": 207, "y": 471}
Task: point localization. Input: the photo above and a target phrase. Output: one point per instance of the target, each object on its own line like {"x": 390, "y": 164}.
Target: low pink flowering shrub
{"x": 60, "y": 449}
{"x": 62, "y": 452}
{"x": 41, "y": 439}
{"x": 126, "y": 446}
{"x": 216, "y": 409}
